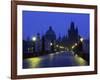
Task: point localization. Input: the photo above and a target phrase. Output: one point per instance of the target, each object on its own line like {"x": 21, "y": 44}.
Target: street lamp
{"x": 81, "y": 39}
{"x": 75, "y": 44}
{"x": 51, "y": 44}
{"x": 57, "y": 46}
{"x": 34, "y": 38}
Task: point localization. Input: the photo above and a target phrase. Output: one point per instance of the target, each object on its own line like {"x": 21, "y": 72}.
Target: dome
{"x": 50, "y": 34}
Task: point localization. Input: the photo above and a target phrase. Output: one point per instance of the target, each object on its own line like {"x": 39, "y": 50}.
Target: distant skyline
{"x": 38, "y": 22}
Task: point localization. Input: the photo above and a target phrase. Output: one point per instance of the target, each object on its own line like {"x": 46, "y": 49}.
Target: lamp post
{"x": 81, "y": 39}
{"x": 52, "y": 46}
{"x": 34, "y": 40}
{"x": 80, "y": 46}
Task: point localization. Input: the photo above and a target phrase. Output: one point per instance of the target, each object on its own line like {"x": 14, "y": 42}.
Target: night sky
{"x": 39, "y": 22}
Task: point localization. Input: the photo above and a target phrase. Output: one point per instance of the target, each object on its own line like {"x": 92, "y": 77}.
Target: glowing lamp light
{"x": 50, "y": 44}
{"x": 57, "y": 46}
{"x": 75, "y": 44}
{"x": 81, "y": 39}
{"x": 34, "y": 39}
{"x": 61, "y": 47}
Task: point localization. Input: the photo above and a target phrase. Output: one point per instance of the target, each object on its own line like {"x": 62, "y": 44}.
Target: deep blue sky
{"x": 34, "y": 22}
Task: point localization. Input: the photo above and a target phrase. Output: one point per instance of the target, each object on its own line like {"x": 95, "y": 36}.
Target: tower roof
{"x": 50, "y": 33}
{"x": 72, "y": 25}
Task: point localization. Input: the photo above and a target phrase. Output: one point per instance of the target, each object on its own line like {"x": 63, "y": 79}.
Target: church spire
{"x": 50, "y": 27}
{"x": 72, "y": 25}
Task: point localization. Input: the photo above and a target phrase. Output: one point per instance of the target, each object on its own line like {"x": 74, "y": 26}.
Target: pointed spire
{"x": 59, "y": 38}
{"x": 72, "y": 25}
{"x": 38, "y": 36}
{"x": 50, "y": 27}
{"x": 76, "y": 29}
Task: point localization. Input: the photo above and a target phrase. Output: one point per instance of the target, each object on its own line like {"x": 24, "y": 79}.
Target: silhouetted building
{"x": 86, "y": 46}
{"x": 59, "y": 40}
{"x": 73, "y": 36}
{"x": 50, "y": 34}
{"x": 38, "y": 43}
{"x": 27, "y": 46}
{"x": 50, "y": 38}
{"x": 49, "y": 43}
